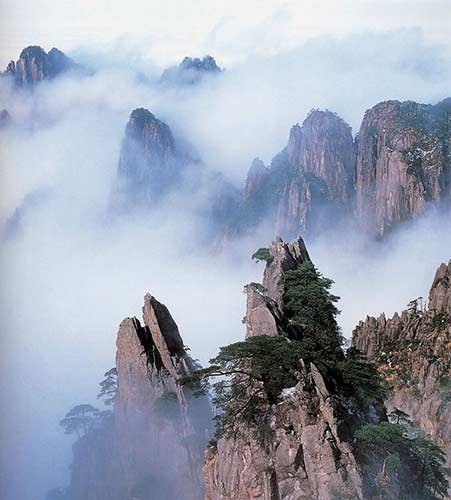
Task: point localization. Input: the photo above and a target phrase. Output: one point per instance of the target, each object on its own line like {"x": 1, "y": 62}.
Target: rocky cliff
{"x": 412, "y": 350}
{"x": 35, "y": 65}
{"x": 153, "y": 448}
{"x": 398, "y": 167}
{"x": 149, "y": 165}
{"x": 403, "y": 163}
{"x": 308, "y": 182}
{"x": 306, "y": 457}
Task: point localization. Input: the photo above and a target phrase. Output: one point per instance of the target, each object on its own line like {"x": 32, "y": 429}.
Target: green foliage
{"x": 108, "y": 387}
{"x": 258, "y": 287}
{"x": 360, "y": 381}
{"x": 213, "y": 445}
{"x": 252, "y": 376}
{"x": 253, "y": 373}
{"x": 310, "y": 307}
{"x": 392, "y": 461}
{"x": 311, "y": 310}
{"x": 80, "y": 419}
{"x": 413, "y": 468}
{"x": 262, "y": 254}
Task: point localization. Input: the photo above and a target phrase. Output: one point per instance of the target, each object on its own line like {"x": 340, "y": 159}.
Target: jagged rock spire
{"x": 35, "y": 65}
{"x": 402, "y": 163}
{"x": 191, "y": 71}
{"x": 306, "y": 457}
{"x": 440, "y": 293}
{"x": 160, "y": 431}
{"x": 148, "y": 163}
{"x": 265, "y": 308}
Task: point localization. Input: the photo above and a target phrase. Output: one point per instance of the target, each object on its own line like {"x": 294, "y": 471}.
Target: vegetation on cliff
{"x": 253, "y": 373}
{"x": 400, "y": 465}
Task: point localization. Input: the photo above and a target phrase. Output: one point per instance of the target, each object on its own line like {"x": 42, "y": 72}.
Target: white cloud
{"x": 232, "y": 30}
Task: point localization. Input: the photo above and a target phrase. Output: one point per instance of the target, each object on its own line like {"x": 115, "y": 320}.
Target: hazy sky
{"x": 165, "y": 30}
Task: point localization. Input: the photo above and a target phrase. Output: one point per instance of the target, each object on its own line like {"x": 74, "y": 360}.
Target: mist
{"x": 71, "y": 273}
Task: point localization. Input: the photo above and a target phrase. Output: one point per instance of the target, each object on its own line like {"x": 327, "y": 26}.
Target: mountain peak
{"x": 148, "y": 164}
{"x": 191, "y": 71}
{"x": 35, "y": 65}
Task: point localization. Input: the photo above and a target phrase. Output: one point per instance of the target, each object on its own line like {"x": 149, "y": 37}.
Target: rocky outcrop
{"x": 191, "y": 71}
{"x": 264, "y": 306}
{"x": 403, "y": 164}
{"x": 309, "y": 185}
{"x": 35, "y": 65}
{"x": 306, "y": 458}
{"x": 154, "y": 449}
{"x": 412, "y": 351}
{"x": 149, "y": 165}
{"x": 398, "y": 167}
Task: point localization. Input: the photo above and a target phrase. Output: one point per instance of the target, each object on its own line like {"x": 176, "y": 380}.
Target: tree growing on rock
{"x": 399, "y": 467}
{"x": 108, "y": 387}
{"x": 262, "y": 254}
{"x": 80, "y": 420}
{"x": 252, "y": 376}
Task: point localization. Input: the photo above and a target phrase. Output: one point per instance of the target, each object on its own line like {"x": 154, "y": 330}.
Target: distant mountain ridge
{"x": 394, "y": 170}
{"x": 191, "y": 71}
{"x": 397, "y": 167}
{"x": 35, "y": 65}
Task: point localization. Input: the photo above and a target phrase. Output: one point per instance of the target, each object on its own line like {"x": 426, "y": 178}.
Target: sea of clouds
{"x": 71, "y": 272}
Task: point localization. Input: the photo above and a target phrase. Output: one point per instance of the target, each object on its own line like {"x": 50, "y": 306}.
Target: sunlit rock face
{"x": 403, "y": 163}
{"x": 155, "y": 446}
{"x": 397, "y": 168}
{"x": 412, "y": 350}
{"x": 309, "y": 185}
{"x": 306, "y": 457}
{"x": 35, "y": 65}
{"x": 264, "y": 311}
{"x": 191, "y": 71}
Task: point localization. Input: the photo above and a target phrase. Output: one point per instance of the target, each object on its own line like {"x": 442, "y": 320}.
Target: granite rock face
{"x": 412, "y": 351}
{"x": 403, "y": 163}
{"x": 156, "y": 444}
{"x": 398, "y": 166}
{"x": 264, "y": 308}
{"x": 35, "y": 65}
{"x": 148, "y": 164}
{"x": 306, "y": 458}
{"x": 308, "y": 181}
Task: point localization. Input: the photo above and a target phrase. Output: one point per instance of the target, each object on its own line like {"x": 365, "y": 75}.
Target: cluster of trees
{"x": 252, "y": 374}
{"x": 249, "y": 378}
{"x": 401, "y": 465}
{"x": 84, "y": 418}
